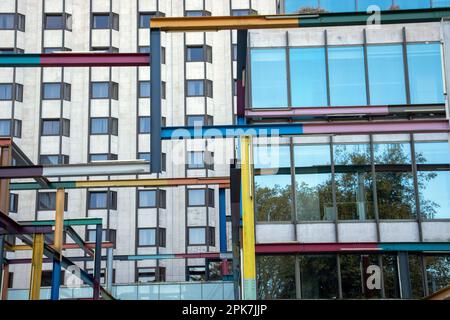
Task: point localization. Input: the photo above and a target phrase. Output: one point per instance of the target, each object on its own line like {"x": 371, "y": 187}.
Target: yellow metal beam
{"x": 59, "y": 220}
{"x": 152, "y": 182}
{"x": 36, "y": 267}
{"x": 216, "y": 23}
{"x": 248, "y": 219}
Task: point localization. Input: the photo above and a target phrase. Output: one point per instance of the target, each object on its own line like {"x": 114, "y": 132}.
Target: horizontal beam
{"x": 73, "y": 170}
{"x": 67, "y": 246}
{"x": 216, "y": 23}
{"x": 273, "y": 130}
{"x": 79, "y": 242}
{"x": 298, "y": 112}
{"x": 10, "y": 226}
{"x": 88, "y": 59}
{"x": 5, "y": 142}
{"x": 67, "y": 222}
{"x": 223, "y": 182}
{"x": 273, "y": 248}
{"x": 142, "y": 257}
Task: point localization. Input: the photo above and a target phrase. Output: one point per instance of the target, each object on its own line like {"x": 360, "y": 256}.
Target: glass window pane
{"x": 412, "y": 4}
{"x": 50, "y": 127}
{"x": 147, "y": 237}
{"x": 47, "y": 201}
{"x": 100, "y": 90}
{"x": 49, "y": 160}
{"x": 196, "y": 197}
{"x": 144, "y": 124}
{"x": 392, "y": 153}
{"x": 52, "y": 91}
{"x": 5, "y": 127}
{"x": 273, "y": 197}
{"x": 390, "y": 276}
{"x": 195, "y": 121}
{"x": 97, "y": 200}
{"x": 99, "y": 126}
{"x": 363, "y": 5}
{"x": 440, "y": 3}
{"x": 269, "y": 79}
{"x": 308, "y": 77}
{"x": 196, "y": 160}
{"x": 101, "y": 22}
{"x": 425, "y": 73}
{"x": 147, "y": 199}
{"x": 312, "y": 155}
{"x": 272, "y": 156}
{"x": 434, "y": 194}
{"x": 432, "y": 152}
{"x": 438, "y": 272}
{"x": 275, "y": 277}
{"x": 195, "y": 54}
{"x": 144, "y": 20}
{"x": 318, "y": 276}
{"x": 7, "y": 21}
{"x": 144, "y": 89}
{"x": 347, "y": 76}
{"x": 195, "y": 88}
{"x": 395, "y": 192}
{"x": 54, "y": 22}
{"x": 386, "y": 74}
{"x": 6, "y": 91}
{"x": 353, "y": 179}
{"x": 98, "y": 157}
{"x": 338, "y": 5}
{"x": 314, "y": 197}
{"x": 300, "y": 6}
{"x": 197, "y": 236}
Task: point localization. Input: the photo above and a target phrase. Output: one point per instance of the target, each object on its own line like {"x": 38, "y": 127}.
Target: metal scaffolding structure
{"x": 250, "y": 124}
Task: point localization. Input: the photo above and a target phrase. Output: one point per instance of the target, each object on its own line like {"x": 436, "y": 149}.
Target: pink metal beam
{"x": 377, "y": 127}
{"x": 314, "y": 247}
{"x": 95, "y": 59}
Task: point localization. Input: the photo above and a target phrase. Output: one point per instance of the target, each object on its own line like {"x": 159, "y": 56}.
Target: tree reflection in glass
{"x": 276, "y": 277}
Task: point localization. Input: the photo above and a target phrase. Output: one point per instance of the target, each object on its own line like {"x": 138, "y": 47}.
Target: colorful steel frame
{"x": 245, "y": 183}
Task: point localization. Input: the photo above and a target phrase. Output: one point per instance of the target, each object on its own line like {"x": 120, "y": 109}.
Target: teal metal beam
{"x": 67, "y": 223}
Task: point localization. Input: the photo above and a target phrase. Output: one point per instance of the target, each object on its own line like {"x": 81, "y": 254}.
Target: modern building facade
{"x": 337, "y": 215}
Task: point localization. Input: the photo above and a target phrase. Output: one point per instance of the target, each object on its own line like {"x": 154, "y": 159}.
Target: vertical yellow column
{"x": 248, "y": 219}
{"x": 59, "y": 220}
{"x": 36, "y": 267}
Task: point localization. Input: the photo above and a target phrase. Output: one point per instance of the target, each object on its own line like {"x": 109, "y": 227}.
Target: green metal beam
{"x": 69, "y": 222}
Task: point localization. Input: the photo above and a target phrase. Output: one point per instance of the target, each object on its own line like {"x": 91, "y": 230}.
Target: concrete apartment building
{"x": 325, "y": 205}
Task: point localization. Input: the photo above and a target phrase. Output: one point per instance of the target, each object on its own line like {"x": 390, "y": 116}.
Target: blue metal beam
{"x": 155, "y": 101}
{"x": 230, "y": 131}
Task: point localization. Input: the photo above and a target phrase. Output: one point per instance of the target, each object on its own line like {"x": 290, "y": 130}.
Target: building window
{"x": 49, "y": 160}
{"x": 56, "y": 91}
{"x": 197, "y": 197}
{"x": 11, "y": 51}
{"x": 104, "y": 90}
{"x": 199, "y": 120}
{"x": 197, "y": 13}
{"x": 6, "y": 91}
{"x": 47, "y": 201}
{"x": 108, "y": 235}
{"x": 199, "y": 53}
{"x": 55, "y": 127}
{"x": 144, "y": 89}
{"x": 105, "y": 21}
{"x": 147, "y": 198}
{"x": 58, "y": 21}
{"x": 425, "y": 73}
{"x": 199, "y": 88}
{"x": 46, "y": 278}
{"x": 151, "y": 274}
{"x": 5, "y": 128}
{"x": 144, "y": 125}
{"x": 104, "y": 126}
{"x": 103, "y": 275}
{"x": 145, "y": 17}
{"x": 234, "y": 52}
{"x": 386, "y": 74}
{"x": 11, "y": 21}
{"x": 433, "y": 177}
{"x": 201, "y": 236}
{"x": 105, "y": 49}
{"x": 308, "y": 88}
{"x": 56, "y": 49}
{"x": 196, "y": 273}
{"x": 243, "y": 12}
{"x": 102, "y": 200}
{"x": 147, "y": 237}
{"x": 13, "y": 202}
{"x": 147, "y": 157}
{"x": 268, "y": 72}
{"x": 102, "y": 157}
{"x": 347, "y": 76}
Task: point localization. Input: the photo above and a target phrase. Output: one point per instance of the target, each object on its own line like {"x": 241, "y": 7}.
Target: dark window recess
{"x": 55, "y": 127}
{"x": 105, "y": 49}
{"x": 102, "y": 157}
{"x": 102, "y": 200}
{"x": 56, "y": 91}
{"x": 105, "y": 21}
{"x": 144, "y": 18}
{"x": 104, "y": 90}
{"x": 49, "y": 160}
{"x": 199, "y": 88}
{"x": 243, "y": 12}
{"x": 13, "y": 202}
{"x": 199, "y": 53}
{"x": 197, "y": 13}
{"x": 104, "y": 126}
{"x": 151, "y": 274}
{"x": 47, "y": 201}
{"x": 11, "y": 91}
{"x": 12, "y": 21}
{"x": 46, "y": 279}
{"x": 61, "y": 21}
